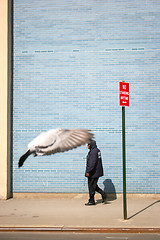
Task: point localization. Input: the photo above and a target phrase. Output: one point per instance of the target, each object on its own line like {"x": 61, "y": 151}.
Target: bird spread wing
{"x": 63, "y": 140}
{"x": 69, "y": 139}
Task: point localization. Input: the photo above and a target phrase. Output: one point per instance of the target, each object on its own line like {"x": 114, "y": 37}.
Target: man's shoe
{"x": 90, "y": 204}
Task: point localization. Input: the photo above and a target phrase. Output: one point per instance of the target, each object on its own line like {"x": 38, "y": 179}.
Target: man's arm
{"x": 91, "y": 162}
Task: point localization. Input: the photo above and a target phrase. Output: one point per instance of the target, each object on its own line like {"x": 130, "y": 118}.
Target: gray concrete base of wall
{"x": 79, "y": 195}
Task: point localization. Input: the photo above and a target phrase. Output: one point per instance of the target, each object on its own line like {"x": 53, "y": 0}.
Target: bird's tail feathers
{"x": 23, "y": 158}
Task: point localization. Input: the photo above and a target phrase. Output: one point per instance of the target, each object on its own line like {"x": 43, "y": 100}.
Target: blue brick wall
{"x": 69, "y": 57}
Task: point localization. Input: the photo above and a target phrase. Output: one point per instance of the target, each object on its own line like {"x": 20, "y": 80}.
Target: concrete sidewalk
{"x": 67, "y": 211}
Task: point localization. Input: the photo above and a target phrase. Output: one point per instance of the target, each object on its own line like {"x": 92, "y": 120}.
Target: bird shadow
{"x": 143, "y": 209}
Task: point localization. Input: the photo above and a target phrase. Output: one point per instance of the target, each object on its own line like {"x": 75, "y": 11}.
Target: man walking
{"x": 94, "y": 170}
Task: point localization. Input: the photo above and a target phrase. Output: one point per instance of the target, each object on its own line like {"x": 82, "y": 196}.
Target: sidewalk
{"x": 69, "y": 212}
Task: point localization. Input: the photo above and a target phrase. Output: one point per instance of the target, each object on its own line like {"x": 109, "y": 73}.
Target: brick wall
{"x": 69, "y": 57}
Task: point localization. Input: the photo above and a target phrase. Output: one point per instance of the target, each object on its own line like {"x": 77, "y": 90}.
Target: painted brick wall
{"x": 69, "y": 57}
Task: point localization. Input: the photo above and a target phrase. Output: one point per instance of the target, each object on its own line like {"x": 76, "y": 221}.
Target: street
{"x": 76, "y": 236}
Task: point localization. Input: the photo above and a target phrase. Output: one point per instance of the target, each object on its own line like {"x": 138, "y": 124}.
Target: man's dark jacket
{"x": 94, "y": 161}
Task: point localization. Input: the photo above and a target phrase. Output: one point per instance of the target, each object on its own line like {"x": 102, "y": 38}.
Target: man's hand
{"x": 87, "y": 174}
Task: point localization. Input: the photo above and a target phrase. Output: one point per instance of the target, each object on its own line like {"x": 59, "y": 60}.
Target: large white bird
{"x": 56, "y": 140}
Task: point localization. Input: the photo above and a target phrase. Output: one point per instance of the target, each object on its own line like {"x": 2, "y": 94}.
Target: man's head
{"x": 92, "y": 144}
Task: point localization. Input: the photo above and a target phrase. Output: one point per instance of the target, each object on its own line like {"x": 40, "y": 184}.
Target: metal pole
{"x": 124, "y": 164}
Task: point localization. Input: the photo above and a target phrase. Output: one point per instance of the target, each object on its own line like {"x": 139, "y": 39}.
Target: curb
{"x": 80, "y": 230}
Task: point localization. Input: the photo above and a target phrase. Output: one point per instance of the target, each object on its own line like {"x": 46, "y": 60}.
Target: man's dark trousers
{"x": 93, "y": 187}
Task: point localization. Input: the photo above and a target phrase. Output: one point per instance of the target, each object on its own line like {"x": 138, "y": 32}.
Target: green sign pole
{"x": 124, "y": 164}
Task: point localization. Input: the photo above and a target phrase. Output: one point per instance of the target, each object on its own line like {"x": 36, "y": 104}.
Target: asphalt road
{"x": 76, "y": 236}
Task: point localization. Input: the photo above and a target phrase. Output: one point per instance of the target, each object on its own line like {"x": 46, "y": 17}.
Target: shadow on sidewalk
{"x": 143, "y": 209}
{"x": 110, "y": 190}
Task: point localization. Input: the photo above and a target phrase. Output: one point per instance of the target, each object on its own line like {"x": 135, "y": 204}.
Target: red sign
{"x": 124, "y": 94}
